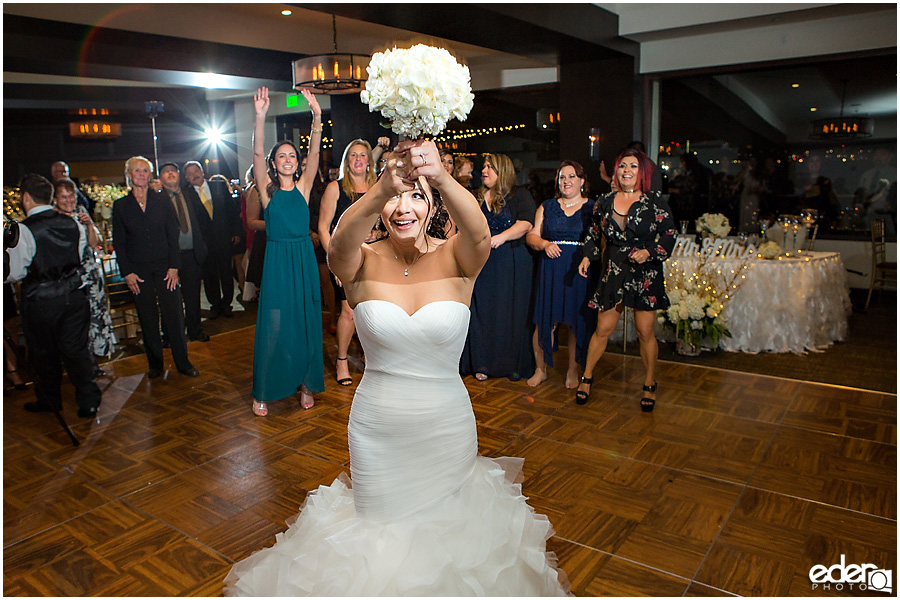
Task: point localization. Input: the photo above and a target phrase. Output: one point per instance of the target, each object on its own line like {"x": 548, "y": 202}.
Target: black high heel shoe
{"x": 647, "y": 404}
{"x": 582, "y": 397}
{"x": 345, "y": 381}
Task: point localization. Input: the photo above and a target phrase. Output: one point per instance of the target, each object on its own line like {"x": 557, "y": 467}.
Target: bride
{"x": 426, "y": 515}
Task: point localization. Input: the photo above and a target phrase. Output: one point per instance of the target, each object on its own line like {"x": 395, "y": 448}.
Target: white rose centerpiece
{"x": 715, "y": 225}
{"x": 770, "y": 250}
{"x": 418, "y": 89}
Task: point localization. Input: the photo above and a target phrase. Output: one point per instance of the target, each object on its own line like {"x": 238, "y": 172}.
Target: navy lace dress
{"x": 648, "y": 225}
{"x": 561, "y": 294}
{"x": 499, "y": 340}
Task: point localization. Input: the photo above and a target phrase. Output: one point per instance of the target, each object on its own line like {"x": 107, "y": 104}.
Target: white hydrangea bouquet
{"x": 696, "y": 303}
{"x": 715, "y": 225}
{"x": 770, "y": 250}
{"x": 418, "y": 89}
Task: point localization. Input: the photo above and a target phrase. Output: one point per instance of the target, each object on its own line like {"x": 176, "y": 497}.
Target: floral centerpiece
{"x": 696, "y": 303}
{"x": 104, "y": 196}
{"x": 713, "y": 225}
{"x": 418, "y": 89}
{"x": 770, "y": 250}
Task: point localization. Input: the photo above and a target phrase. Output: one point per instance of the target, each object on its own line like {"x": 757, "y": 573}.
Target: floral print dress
{"x": 648, "y": 225}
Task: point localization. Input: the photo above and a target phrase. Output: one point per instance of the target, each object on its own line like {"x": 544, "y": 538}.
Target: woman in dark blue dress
{"x": 499, "y": 340}
{"x": 640, "y": 235}
{"x": 560, "y": 294}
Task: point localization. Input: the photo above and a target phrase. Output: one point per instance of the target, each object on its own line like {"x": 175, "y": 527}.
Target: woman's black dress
{"x": 648, "y": 225}
{"x": 499, "y": 340}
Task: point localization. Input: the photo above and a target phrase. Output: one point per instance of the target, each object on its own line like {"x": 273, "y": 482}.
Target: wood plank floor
{"x": 736, "y": 485}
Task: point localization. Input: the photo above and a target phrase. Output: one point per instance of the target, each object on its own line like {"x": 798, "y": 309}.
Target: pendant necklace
{"x": 406, "y": 268}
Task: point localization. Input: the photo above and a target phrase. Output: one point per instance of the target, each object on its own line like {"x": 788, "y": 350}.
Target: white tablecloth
{"x": 787, "y": 305}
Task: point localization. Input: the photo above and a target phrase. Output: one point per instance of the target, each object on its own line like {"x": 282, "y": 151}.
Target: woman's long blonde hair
{"x": 506, "y": 181}
{"x": 346, "y": 183}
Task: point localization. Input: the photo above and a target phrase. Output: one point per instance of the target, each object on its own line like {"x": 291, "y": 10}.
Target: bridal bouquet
{"x": 770, "y": 250}
{"x": 715, "y": 225}
{"x": 418, "y": 89}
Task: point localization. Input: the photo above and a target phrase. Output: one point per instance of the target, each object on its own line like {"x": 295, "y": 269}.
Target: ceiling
{"x": 59, "y": 55}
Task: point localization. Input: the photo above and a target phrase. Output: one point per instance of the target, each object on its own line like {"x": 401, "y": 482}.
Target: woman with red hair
{"x": 640, "y": 235}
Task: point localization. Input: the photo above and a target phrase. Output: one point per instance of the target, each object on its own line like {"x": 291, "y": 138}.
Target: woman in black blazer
{"x": 145, "y": 236}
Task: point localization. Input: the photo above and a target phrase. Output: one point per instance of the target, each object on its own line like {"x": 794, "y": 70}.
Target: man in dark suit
{"x": 221, "y": 223}
{"x": 192, "y": 247}
{"x": 55, "y": 310}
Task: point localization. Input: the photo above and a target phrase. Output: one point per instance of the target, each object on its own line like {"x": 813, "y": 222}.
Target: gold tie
{"x": 206, "y": 203}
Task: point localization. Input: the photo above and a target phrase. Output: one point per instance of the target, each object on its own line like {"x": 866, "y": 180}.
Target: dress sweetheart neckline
{"x": 417, "y": 310}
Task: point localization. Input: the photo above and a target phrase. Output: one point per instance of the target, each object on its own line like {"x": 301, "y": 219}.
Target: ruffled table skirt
{"x": 787, "y": 305}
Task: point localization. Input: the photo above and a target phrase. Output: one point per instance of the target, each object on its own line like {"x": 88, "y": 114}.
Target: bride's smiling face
{"x": 406, "y": 216}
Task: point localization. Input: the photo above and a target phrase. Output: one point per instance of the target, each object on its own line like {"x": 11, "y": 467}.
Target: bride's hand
{"x": 393, "y": 178}
{"x": 422, "y": 160}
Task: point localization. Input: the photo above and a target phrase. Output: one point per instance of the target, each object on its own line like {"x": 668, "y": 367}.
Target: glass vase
{"x": 686, "y": 348}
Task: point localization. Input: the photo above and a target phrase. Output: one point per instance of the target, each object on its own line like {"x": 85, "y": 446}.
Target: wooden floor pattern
{"x": 737, "y": 484}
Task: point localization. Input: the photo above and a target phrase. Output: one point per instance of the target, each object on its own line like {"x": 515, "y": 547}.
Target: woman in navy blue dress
{"x": 560, "y": 294}
{"x": 640, "y": 234}
{"x": 499, "y": 340}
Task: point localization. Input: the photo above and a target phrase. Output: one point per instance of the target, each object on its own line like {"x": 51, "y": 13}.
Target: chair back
{"x": 879, "y": 246}
{"x": 811, "y": 240}
{"x": 119, "y": 299}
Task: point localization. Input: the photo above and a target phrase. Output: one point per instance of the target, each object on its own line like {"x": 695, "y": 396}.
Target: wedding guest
{"x": 447, "y": 161}
{"x": 463, "y": 171}
{"x": 255, "y": 223}
{"x": 560, "y": 227}
{"x": 640, "y": 234}
{"x": 287, "y": 350}
{"x": 101, "y": 338}
{"x": 145, "y": 235}
{"x": 499, "y": 341}
{"x": 357, "y": 175}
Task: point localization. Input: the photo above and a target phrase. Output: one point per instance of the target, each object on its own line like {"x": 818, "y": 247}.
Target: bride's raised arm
{"x": 472, "y": 245}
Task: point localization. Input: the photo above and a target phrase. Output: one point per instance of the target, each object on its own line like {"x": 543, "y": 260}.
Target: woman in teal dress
{"x": 287, "y": 351}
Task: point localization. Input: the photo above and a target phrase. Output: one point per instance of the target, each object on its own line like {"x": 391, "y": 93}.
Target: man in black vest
{"x": 55, "y": 309}
{"x": 221, "y": 223}
{"x": 192, "y": 247}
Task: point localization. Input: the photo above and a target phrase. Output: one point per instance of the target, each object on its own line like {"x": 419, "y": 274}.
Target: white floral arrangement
{"x": 770, "y": 250}
{"x": 418, "y": 89}
{"x": 104, "y": 196}
{"x": 697, "y": 300}
{"x": 713, "y": 224}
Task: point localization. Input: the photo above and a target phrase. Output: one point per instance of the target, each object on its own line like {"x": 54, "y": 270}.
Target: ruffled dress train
{"x": 425, "y": 515}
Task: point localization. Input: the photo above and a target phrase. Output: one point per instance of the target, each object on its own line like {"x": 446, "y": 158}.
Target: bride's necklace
{"x": 406, "y": 267}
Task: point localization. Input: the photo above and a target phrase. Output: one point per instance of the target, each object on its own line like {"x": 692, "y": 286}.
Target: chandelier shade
{"x": 331, "y": 73}
{"x": 334, "y": 73}
{"x": 841, "y": 128}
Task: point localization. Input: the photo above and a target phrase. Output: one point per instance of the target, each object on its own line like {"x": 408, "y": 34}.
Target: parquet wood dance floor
{"x": 736, "y": 484}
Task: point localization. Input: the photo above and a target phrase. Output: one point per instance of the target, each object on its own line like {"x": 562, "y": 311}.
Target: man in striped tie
{"x": 220, "y": 223}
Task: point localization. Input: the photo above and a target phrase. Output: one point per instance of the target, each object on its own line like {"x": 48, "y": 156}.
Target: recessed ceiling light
{"x": 795, "y": 85}
{"x": 813, "y": 109}
{"x": 286, "y": 12}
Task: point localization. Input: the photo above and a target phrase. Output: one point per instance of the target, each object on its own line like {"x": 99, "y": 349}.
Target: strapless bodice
{"x": 426, "y": 344}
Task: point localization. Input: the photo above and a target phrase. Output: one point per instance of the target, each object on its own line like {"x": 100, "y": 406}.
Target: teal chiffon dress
{"x": 287, "y": 351}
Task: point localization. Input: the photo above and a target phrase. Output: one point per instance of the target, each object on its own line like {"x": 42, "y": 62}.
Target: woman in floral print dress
{"x": 640, "y": 235}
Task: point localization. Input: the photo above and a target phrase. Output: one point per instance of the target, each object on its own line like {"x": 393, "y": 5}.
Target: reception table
{"x": 796, "y": 304}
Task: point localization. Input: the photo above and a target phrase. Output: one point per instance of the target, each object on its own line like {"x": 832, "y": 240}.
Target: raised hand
{"x": 313, "y": 103}
{"x": 261, "y": 101}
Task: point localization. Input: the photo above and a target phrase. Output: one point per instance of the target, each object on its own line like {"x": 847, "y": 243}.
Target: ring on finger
{"x": 424, "y": 162}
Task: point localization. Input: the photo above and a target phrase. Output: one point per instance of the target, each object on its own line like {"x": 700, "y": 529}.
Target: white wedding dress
{"x": 426, "y": 516}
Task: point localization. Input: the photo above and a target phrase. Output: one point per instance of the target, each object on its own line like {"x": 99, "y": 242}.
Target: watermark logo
{"x": 841, "y": 576}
